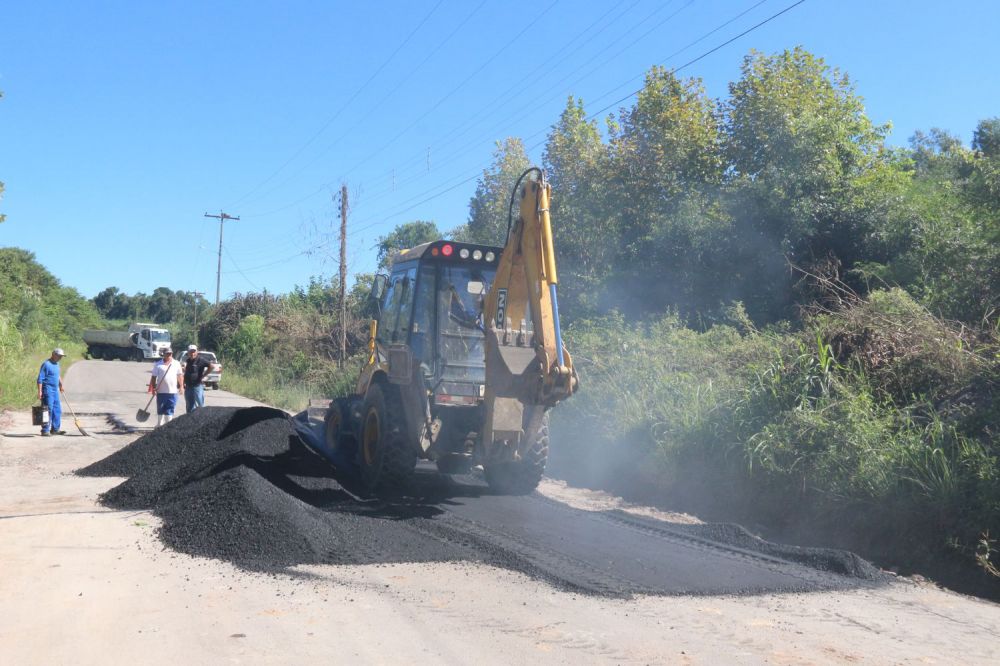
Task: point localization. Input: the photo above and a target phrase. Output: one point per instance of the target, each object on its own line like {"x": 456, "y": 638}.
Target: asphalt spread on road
{"x": 239, "y": 485}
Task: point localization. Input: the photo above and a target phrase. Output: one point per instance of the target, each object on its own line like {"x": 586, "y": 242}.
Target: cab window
{"x": 422, "y": 328}
{"x": 407, "y": 291}
{"x": 390, "y": 310}
{"x": 397, "y": 308}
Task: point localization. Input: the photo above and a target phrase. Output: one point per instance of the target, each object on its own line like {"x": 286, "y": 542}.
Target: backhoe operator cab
{"x": 421, "y": 393}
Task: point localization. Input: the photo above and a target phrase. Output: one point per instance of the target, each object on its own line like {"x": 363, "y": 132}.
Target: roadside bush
{"x": 874, "y": 424}
{"x": 248, "y": 343}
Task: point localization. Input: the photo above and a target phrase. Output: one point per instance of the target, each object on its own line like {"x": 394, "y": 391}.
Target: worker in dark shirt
{"x": 195, "y": 369}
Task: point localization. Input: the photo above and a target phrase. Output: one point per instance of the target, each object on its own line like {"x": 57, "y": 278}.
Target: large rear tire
{"x": 386, "y": 458}
{"x": 340, "y": 438}
{"x": 523, "y": 476}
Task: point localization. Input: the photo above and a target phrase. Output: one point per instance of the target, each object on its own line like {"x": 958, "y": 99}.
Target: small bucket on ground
{"x": 40, "y": 415}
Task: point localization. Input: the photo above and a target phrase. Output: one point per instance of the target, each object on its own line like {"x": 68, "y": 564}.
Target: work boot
{"x": 45, "y": 433}
{"x": 58, "y": 432}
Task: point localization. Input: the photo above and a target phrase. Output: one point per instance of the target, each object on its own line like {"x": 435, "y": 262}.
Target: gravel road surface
{"x": 449, "y": 574}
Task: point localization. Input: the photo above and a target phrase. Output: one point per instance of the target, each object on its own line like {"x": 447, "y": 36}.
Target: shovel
{"x": 143, "y": 414}
{"x": 76, "y": 421}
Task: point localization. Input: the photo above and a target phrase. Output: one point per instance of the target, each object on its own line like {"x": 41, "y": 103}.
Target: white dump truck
{"x": 141, "y": 341}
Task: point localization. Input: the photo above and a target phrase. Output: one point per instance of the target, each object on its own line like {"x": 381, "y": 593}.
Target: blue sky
{"x": 122, "y": 123}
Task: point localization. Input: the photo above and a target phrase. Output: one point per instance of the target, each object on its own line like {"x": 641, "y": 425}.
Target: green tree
{"x": 247, "y": 344}
{"x": 666, "y": 171}
{"x": 950, "y": 236}
{"x": 985, "y": 177}
{"x": 37, "y": 302}
{"x": 404, "y": 237}
{"x": 164, "y": 306}
{"x": 986, "y": 139}
{"x": 108, "y": 300}
{"x": 320, "y": 295}
{"x": 488, "y": 207}
{"x": 583, "y": 228}
{"x": 810, "y": 176}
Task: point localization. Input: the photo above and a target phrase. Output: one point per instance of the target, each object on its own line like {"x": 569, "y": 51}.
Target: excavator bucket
{"x": 527, "y": 368}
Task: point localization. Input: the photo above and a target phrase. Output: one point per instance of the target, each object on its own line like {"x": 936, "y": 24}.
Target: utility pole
{"x": 343, "y": 273}
{"x": 222, "y": 217}
{"x": 197, "y": 295}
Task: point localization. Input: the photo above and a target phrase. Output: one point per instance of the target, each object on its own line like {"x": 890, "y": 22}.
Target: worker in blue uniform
{"x": 49, "y": 387}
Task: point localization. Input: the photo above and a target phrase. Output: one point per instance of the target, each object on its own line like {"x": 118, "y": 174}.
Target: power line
{"x": 440, "y": 101}
{"x": 466, "y": 151}
{"x": 443, "y": 188}
{"x": 505, "y": 98}
{"x": 276, "y": 262}
{"x": 233, "y": 262}
{"x": 703, "y": 55}
{"x": 454, "y": 90}
{"x": 381, "y": 102}
{"x": 453, "y": 138}
{"x": 343, "y": 106}
{"x": 687, "y": 46}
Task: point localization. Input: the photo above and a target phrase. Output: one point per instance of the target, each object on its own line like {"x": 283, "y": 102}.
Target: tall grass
{"x": 20, "y": 357}
{"x": 877, "y": 421}
{"x": 289, "y": 383}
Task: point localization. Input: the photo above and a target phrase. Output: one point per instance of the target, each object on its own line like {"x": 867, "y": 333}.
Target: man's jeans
{"x": 194, "y": 397}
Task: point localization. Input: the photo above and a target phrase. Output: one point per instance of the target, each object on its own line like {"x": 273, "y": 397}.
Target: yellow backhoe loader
{"x": 465, "y": 358}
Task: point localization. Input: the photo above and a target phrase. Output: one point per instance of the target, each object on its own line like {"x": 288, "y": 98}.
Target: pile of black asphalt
{"x": 239, "y": 485}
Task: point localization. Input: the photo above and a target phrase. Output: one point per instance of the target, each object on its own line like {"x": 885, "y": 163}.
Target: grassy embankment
{"x": 872, "y": 428}
{"x": 20, "y": 357}
{"x": 289, "y": 385}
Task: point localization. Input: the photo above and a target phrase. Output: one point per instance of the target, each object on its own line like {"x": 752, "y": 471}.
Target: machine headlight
{"x": 477, "y": 255}
{"x": 490, "y": 256}
{"x": 464, "y": 253}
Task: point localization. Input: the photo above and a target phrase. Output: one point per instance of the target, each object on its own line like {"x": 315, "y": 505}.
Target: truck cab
{"x": 149, "y": 339}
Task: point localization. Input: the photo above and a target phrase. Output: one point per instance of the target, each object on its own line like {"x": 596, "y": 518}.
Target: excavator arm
{"x": 528, "y": 370}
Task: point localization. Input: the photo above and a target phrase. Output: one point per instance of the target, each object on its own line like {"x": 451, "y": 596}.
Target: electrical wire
{"x": 233, "y": 262}
{"x": 704, "y": 55}
{"x": 505, "y": 98}
{"x": 377, "y": 105}
{"x": 470, "y": 77}
{"x": 522, "y": 113}
{"x": 441, "y": 190}
{"x": 340, "y": 110}
{"x": 440, "y": 101}
{"x": 592, "y": 116}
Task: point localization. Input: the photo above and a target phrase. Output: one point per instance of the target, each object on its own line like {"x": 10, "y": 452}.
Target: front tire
{"x": 386, "y": 459}
{"x": 338, "y": 435}
{"x": 522, "y": 476}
